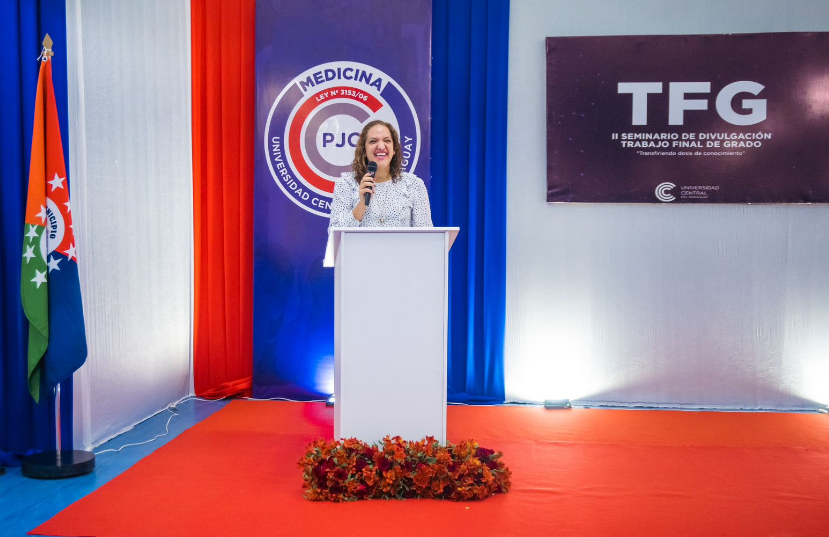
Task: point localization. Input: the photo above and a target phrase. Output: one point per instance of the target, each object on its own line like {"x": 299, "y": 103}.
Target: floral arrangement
{"x": 347, "y": 470}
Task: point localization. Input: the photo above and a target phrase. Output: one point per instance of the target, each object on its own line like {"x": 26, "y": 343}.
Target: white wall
{"x": 131, "y": 173}
{"x": 698, "y": 305}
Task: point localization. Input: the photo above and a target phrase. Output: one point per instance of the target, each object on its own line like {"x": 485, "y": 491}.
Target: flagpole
{"x": 57, "y": 423}
{"x": 60, "y": 462}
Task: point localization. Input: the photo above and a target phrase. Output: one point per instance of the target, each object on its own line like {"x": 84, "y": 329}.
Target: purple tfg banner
{"x": 323, "y": 70}
{"x": 688, "y": 119}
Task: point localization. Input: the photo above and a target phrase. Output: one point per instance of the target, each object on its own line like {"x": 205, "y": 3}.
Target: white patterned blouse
{"x": 398, "y": 203}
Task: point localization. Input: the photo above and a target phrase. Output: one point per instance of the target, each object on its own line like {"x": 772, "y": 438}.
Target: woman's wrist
{"x": 359, "y": 211}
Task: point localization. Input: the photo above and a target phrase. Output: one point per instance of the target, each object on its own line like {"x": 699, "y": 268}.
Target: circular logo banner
{"x": 315, "y": 122}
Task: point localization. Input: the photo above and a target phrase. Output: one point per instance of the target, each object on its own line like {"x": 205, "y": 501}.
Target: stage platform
{"x": 585, "y": 472}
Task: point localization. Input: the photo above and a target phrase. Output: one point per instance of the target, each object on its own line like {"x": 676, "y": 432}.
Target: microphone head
{"x": 372, "y": 168}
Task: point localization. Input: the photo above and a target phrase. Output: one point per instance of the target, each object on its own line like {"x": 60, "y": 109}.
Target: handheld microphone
{"x": 372, "y": 169}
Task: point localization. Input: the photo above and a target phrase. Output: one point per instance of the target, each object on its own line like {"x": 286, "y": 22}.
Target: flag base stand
{"x": 57, "y": 464}
{"x": 60, "y": 462}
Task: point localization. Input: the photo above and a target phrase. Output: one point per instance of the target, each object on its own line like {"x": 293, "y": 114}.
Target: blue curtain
{"x": 470, "y": 47}
{"x": 24, "y": 425}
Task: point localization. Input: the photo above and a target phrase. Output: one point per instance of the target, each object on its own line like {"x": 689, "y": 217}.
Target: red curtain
{"x": 223, "y": 54}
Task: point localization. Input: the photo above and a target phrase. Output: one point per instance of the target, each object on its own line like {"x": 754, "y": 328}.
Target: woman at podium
{"x": 377, "y": 192}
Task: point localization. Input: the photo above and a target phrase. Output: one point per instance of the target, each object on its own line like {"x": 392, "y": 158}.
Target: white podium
{"x": 391, "y": 308}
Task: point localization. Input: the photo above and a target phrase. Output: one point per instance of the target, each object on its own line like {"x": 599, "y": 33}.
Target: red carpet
{"x": 575, "y": 472}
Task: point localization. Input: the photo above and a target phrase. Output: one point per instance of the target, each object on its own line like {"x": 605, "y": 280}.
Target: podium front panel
{"x": 390, "y": 335}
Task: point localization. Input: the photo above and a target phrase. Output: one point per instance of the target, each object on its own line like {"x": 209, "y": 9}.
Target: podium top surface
{"x": 335, "y": 233}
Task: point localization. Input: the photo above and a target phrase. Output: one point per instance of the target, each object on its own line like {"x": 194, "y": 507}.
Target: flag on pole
{"x": 49, "y": 285}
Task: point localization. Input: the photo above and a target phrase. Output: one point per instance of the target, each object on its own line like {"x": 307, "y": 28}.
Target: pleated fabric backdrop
{"x": 130, "y": 159}
{"x": 23, "y": 24}
{"x": 223, "y": 42}
{"x": 470, "y": 47}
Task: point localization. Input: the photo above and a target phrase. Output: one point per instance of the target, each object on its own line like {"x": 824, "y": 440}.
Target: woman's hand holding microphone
{"x": 366, "y": 187}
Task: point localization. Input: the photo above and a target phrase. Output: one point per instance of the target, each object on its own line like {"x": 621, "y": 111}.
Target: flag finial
{"x": 46, "y": 53}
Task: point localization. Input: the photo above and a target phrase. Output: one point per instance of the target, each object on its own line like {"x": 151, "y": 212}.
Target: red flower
{"x": 383, "y": 464}
{"x": 319, "y": 472}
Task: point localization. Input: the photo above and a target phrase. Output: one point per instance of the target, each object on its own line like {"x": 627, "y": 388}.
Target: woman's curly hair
{"x": 360, "y": 164}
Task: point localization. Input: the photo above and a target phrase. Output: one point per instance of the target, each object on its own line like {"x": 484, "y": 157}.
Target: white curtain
{"x": 131, "y": 173}
{"x": 712, "y": 306}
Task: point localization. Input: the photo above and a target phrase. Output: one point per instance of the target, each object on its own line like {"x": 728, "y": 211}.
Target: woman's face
{"x": 379, "y": 146}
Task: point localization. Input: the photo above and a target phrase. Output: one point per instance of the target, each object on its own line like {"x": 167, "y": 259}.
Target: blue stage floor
{"x": 26, "y": 503}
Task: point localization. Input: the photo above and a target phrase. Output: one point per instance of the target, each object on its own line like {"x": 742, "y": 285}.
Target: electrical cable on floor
{"x": 172, "y": 408}
{"x": 281, "y": 399}
{"x": 166, "y": 432}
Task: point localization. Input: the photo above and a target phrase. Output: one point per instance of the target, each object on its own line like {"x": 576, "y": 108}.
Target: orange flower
{"x": 423, "y": 476}
{"x": 369, "y": 476}
{"x": 487, "y": 475}
{"x": 464, "y": 493}
{"x": 353, "y": 443}
{"x": 399, "y": 453}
